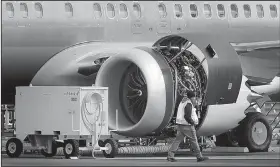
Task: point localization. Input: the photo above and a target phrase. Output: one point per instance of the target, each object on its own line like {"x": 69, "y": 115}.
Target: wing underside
{"x": 260, "y": 61}
{"x": 261, "y": 64}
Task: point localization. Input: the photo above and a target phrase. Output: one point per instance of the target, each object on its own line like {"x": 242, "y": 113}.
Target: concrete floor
{"x": 216, "y": 159}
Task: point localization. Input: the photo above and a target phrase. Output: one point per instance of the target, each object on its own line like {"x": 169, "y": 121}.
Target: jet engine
{"x": 146, "y": 83}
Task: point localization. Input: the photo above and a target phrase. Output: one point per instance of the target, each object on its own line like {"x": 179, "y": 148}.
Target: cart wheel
{"x": 14, "y": 147}
{"x": 101, "y": 143}
{"x": 71, "y": 148}
{"x": 54, "y": 150}
{"x": 112, "y": 146}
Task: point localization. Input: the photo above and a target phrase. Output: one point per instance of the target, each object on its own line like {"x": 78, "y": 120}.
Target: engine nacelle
{"x": 141, "y": 89}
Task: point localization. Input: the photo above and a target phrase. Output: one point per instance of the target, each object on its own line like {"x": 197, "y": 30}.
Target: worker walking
{"x": 186, "y": 120}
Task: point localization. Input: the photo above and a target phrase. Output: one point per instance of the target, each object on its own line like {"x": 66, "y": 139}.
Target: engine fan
{"x": 134, "y": 93}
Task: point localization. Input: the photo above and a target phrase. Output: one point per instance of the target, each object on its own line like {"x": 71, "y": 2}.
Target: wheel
{"x": 14, "y": 147}
{"x": 101, "y": 143}
{"x": 112, "y": 146}
{"x": 227, "y": 139}
{"x": 71, "y": 148}
{"x": 54, "y": 150}
{"x": 255, "y": 133}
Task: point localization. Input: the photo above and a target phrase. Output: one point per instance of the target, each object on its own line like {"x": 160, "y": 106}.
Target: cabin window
{"x": 23, "y": 10}
{"x": 69, "y": 10}
{"x": 110, "y": 10}
{"x": 38, "y": 10}
{"x": 97, "y": 11}
{"x": 137, "y": 10}
{"x": 247, "y": 11}
{"x": 10, "y": 9}
{"x": 234, "y": 10}
{"x": 260, "y": 11}
{"x": 221, "y": 10}
{"x": 123, "y": 11}
{"x": 162, "y": 10}
{"x": 178, "y": 10}
{"x": 193, "y": 9}
{"x": 273, "y": 11}
{"x": 207, "y": 11}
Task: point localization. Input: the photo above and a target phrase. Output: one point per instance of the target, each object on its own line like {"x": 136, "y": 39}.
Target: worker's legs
{"x": 190, "y": 132}
{"x": 175, "y": 144}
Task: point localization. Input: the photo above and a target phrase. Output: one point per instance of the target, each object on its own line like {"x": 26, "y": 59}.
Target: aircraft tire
{"x": 112, "y": 146}
{"x": 14, "y": 147}
{"x": 226, "y": 140}
{"x": 255, "y": 133}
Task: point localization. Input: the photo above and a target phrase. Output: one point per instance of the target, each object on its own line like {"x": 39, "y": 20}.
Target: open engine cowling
{"x": 160, "y": 75}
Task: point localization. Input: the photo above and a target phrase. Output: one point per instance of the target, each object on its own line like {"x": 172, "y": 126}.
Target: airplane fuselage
{"x": 33, "y": 32}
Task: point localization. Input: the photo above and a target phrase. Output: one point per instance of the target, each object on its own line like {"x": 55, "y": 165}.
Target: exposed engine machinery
{"x": 188, "y": 72}
{"x": 146, "y": 83}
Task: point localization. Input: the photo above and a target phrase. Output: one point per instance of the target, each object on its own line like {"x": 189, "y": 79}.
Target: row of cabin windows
{"x": 24, "y": 10}
{"x": 247, "y": 11}
{"x": 123, "y": 11}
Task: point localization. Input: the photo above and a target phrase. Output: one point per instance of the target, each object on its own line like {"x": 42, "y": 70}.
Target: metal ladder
{"x": 275, "y": 121}
{"x": 7, "y": 116}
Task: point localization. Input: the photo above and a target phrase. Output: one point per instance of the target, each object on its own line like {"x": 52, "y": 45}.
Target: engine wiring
{"x": 185, "y": 67}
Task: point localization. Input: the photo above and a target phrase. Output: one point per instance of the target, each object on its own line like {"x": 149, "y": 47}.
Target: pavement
{"x": 216, "y": 159}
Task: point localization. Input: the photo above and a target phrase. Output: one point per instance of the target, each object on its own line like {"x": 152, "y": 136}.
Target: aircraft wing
{"x": 260, "y": 63}
{"x": 261, "y": 46}
{"x": 260, "y": 60}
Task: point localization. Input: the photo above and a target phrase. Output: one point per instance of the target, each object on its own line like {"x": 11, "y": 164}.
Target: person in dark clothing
{"x": 186, "y": 120}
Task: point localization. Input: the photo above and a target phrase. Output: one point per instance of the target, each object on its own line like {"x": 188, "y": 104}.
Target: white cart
{"x": 48, "y": 117}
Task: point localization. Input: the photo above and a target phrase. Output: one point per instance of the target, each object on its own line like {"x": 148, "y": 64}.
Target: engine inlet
{"x": 141, "y": 88}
